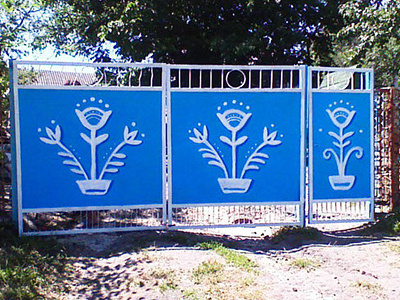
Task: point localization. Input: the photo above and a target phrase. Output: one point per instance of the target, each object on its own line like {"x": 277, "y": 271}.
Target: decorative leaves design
{"x": 238, "y": 142}
{"x": 129, "y": 137}
{"x": 199, "y": 137}
{"x": 252, "y": 162}
{"x": 209, "y": 151}
{"x": 112, "y": 163}
{"x": 258, "y": 157}
{"x": 54, "y": 137}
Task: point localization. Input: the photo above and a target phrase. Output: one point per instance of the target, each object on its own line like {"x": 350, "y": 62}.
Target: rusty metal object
{"x": 387, "y": 145}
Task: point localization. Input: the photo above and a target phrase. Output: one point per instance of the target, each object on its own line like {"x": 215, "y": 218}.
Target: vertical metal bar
{"x": 272, "y": 79}
{"x": 372, "y": 208}
{"x": 303, "y": 136}
{"x": 129, "y": 77}
{"x": 167, "y": 144}
{"x": 190, "y": 78}
{"x": 223, "y": 79}
{"x": 362, "y": 78}
{"x": 291, "y": 79}
{"x": 211, "y": 79}
{"x": 260, "y": 82}
{"x": 250, "y": 79}
{"x": 281, "y": 83}
{"x": 15, "y": 148}
{"x": 200, "y": 78}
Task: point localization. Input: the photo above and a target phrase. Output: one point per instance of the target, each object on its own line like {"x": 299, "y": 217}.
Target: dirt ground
{"x": 335, "y": 264}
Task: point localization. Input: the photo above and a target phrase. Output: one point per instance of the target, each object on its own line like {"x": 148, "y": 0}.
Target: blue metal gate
{"x": 142, "y": 146}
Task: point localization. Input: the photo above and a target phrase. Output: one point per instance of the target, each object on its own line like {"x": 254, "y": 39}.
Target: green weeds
{"x": 29, "y": 267}
{"x": 374, "y": 287}
{"x": 304, "y": 263}
{"x": 232, "y": 256}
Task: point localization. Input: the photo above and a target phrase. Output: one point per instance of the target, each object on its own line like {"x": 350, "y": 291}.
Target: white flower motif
{"x": 234, "y": 119}
{"x": 341, "y": 116}
{"x": 93, "y": 118}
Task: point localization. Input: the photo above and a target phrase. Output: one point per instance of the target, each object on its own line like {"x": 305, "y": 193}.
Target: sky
{"x": 49, "y": 54}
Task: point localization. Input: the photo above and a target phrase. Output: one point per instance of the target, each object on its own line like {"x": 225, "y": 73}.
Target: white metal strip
{"x": 242, "y": 90}
{"x": 233, "y": 67}
{"x": 164, "y": 109}
{"x": 92, "y": 65}
{"x": 323, "y": 91}
{"x": 90, "y": 208}
{"x": 95, "y": 88}
{"x": 94, "y": 230}
{"x": 177, "y": 227}
{"x": 342, "y": 200}
{"x": 283, "y": 203}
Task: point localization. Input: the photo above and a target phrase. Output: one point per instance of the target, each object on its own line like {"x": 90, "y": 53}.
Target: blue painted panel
{"x": 266, "y": 130}
{"x": 64, "y": 133}
{"x": 341, "y": 146}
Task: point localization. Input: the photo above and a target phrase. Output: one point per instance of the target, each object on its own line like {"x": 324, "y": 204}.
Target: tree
{"x": 371, "y": 38}
{"x": 17, "y": 17}
{"x": 196, "y": 31}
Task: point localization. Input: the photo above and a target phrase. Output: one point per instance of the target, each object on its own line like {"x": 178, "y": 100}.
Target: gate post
{"x": 394, "y": 137}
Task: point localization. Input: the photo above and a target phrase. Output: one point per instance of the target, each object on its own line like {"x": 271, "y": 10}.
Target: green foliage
{"x": 29, "y": 267}
{"x": 304, "y": 263}
{"x": 196, "y": 31}
{"x": 19, "y": 21}
{"x": 232, "y": 256}
{"x": 208, "y": 268}
{"x": 371, "y": 38}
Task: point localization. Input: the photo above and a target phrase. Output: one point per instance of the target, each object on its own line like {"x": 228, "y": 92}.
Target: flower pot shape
{"x": 342, "y": 183}
{"x": 94, "y": 187}
{"x": 234, "y": 185}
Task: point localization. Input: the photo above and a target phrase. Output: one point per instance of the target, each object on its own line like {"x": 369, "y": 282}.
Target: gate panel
{"x": 341, "y": 152}
{"x": 90, "y": 149}
{"x": 235, "y": 147}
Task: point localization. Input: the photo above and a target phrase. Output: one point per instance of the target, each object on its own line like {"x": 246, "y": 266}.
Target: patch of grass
{"x": 30, "y": 268}
{"x": 304, "y": 263}
{"x": 209, "y": 245}
{"x": 161, "y": 273}
{"x": 247, "y": 281}
{"x": 395, "y": 247}
{"x": 168, "y": 285}
{"x": 232, "y": 256}
{"x": 208, "y": 268}
{"x": 190, "y": 294}
{"x": 164, "y": 278}
{"x": 368, "y": 286}
{"x": 302, "y": 233}
{"x": 253, "y": 295}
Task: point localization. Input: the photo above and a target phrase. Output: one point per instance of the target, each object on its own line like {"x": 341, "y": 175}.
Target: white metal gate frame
{"x": 174, "y": 216}
{"x": 339, "y": 210}
{"x": 87, "y": 219}
{"x": 258, "y": 79}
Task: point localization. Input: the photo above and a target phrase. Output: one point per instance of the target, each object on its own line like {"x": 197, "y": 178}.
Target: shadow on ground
{"x": 110, "y": 244}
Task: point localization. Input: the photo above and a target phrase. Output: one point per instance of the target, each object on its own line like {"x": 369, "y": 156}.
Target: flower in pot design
{"x": 92, "y": 118}
{"x": 234, "y": 120}
{"x": 341, "y": 117}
